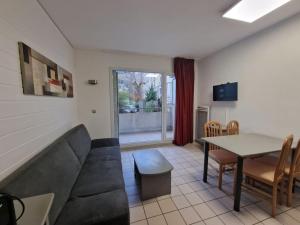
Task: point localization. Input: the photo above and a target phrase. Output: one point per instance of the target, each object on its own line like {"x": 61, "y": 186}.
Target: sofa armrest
{"x": 105, "y": 142}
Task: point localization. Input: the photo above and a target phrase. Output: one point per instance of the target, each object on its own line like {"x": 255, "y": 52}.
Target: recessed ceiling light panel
{"x": 251, "y": 10}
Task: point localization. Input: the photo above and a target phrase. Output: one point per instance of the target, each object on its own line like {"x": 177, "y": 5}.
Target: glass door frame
{"x": 113, "y": 80}
{"x": 167, "y": 108}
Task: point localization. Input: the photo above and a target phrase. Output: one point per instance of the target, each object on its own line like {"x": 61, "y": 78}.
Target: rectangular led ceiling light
{"x": 251, "y": 10}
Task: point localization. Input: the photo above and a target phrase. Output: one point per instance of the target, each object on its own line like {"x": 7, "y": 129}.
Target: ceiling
{"x": 187, "y": 28}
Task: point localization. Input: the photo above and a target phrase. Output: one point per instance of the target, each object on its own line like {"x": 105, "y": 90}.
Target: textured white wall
{"x": 97, "y": 65}
{"x": 267, "y": 67}
{"x": 29, "y": 123}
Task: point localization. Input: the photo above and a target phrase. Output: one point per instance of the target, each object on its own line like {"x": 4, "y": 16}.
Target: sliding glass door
{"x": 170, "y": 106}
{"x": 143, "y": 106}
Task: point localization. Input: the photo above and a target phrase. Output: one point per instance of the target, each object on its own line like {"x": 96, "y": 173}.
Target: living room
{"x": 160, "y": 145}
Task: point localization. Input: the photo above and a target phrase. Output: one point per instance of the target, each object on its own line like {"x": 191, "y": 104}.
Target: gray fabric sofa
{"x": 85, "y": 175}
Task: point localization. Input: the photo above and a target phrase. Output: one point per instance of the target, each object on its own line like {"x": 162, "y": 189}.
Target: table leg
{"x": 238, "y": 184}
{"x": 206, "y": 145}
{"x": 294, "y": 185}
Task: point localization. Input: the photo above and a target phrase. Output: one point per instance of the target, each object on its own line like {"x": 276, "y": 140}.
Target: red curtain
{"x": 184, "y": 74}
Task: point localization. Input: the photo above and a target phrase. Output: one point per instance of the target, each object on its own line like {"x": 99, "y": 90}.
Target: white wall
{"x": 93, "y": 64}
{"x": 29, "y": 123}
{"x": 267, "y": 67}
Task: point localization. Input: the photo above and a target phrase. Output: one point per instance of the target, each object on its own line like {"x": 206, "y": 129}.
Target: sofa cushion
{"x": 80, "y": 141}
{"x": 53, "y": 171}
{"x": 105, "y": 153}
{"x": 110, "y": 208}
{"x": 105, "y": 142}
{"x": 97, "y": 177}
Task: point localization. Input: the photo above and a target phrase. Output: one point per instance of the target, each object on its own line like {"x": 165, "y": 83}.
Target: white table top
{"x": 36, "y": 209}
{"x": 247, "y": 144}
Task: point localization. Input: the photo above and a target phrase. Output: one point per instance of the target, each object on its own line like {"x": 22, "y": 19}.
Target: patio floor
{"x": 131, "y": 138}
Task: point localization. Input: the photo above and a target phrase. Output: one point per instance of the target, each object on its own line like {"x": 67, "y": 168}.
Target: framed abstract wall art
{"x": 41, "y": 76}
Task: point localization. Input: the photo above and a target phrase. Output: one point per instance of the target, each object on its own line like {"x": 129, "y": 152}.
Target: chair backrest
{"x": 295, "y": 165}
{"x": 232, "y": 127}
{"x": 286, "y": 149}
{"x": 212, "y": 129}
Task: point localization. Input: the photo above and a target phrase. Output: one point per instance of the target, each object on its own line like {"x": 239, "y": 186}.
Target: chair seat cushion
{"x": 273, "y": 160}
{"x": 223, "y": 156}
{"x": 99, "y": 175}
{"x": 110, "y": 208}
{"x": 259, "y": 171}
{"x": 269, "y": 159}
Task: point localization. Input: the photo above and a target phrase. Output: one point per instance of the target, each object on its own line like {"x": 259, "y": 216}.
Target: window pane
{"x": 140, "y": 107}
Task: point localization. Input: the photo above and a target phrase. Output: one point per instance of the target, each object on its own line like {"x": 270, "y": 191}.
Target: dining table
{"x": 244, "y": 146}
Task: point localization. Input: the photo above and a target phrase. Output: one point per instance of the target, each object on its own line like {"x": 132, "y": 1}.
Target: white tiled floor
{"x": 196, "y": 203}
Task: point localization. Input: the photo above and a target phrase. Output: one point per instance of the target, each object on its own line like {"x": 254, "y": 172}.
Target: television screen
{"x": 226, "y": 92}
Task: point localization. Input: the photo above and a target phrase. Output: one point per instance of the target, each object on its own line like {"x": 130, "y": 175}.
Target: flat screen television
{"x": 225, "y": 92}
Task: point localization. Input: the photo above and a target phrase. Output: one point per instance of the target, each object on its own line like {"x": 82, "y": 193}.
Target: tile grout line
{"x": 187, "y": 182}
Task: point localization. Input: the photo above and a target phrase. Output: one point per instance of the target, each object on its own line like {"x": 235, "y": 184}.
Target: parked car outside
{"x": 128, "y": 109}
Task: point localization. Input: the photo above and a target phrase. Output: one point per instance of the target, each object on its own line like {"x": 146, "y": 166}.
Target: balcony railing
{"x": 144, "y": 120}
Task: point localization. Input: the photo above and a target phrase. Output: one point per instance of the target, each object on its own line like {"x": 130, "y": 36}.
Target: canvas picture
{"x": 41, "y": 76}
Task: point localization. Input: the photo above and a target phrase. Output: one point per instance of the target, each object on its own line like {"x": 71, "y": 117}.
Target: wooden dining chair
{"x": 292, "y": 170}
{"x": 221, "y": 156}
{"x": 269, "y": 174}
{"x": 232, "y": 127}
{"x": 293, "y": 173}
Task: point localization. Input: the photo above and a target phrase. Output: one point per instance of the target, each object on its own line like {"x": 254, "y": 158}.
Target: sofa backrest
{"x": 54, "y": 170}
{"x": 80, "y": 141}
